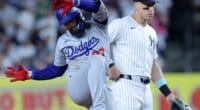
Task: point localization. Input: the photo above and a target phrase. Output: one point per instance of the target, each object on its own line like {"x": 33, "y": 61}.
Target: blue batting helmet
{"x": 67, "y": 16}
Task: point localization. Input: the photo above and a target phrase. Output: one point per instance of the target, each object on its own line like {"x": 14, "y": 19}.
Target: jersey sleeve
{"x": 59, "y": 59}
{"x": 155, "y": 53}
{"x": 102, "y": 15}
{"x": 115, "y": 29}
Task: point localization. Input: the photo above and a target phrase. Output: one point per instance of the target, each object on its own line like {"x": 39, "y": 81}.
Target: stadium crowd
{"x": 29, "y": 30}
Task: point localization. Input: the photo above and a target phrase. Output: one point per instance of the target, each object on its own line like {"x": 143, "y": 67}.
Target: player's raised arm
{"x": 101, "y": 16}
{"x": 100, "y": 13}
{"x": 97, "y": 7}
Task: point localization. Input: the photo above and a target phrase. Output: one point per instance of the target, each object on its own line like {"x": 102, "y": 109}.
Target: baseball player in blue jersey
{"x": 83, "y": 52}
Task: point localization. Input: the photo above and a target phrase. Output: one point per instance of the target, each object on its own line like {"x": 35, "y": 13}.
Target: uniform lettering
{"x": 84, "y": 48}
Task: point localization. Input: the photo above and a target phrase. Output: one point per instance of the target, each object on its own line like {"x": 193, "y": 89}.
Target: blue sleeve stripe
{"x": 160, "y": 83}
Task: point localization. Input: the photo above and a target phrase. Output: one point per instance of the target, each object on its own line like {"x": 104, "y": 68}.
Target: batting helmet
{"x": 67, "y": 16}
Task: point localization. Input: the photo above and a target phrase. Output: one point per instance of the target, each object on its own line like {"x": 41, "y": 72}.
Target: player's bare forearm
{"x": 156, "y": 72}
{"x": 171, "y": 98}
{"x": 160, "y": 82}
{"x": 156, "y": 76}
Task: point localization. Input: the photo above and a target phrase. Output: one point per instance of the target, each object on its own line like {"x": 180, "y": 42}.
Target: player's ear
{"x": 136, "y": 6}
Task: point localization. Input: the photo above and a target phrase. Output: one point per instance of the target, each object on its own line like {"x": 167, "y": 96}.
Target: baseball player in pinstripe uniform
{"x": 134, "y": 55}
{"x": 83, "y": 51}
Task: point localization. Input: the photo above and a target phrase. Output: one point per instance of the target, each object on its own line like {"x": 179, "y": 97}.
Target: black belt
{"x": 143, "y": 80}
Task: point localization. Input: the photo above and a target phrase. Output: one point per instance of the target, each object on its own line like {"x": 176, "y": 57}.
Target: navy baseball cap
{"x": 147, "y": 2}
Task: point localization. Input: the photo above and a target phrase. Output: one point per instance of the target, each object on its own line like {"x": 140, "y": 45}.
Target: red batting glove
{"x": 65, "y": 4}
{"x": 18, "y": 72}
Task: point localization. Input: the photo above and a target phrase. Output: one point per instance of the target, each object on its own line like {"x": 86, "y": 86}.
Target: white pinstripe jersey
{"x": 133, "y": 46}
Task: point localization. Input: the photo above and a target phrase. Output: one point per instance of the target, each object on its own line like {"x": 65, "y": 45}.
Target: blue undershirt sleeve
{"x": 49, "y": 72}
{"x": 87, "y": 5}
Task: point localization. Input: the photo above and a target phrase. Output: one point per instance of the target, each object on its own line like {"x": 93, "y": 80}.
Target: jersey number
{"x": 98, "y": 52}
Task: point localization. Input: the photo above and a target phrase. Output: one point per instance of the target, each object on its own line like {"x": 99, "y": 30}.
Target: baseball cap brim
{"x": 147, "y": 2}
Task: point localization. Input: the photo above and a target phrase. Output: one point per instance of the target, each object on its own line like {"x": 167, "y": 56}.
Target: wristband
{"x": 111, "y": 65}
{"x": 162, "y": 86}
{"x": 165, "y": 90}
{"x": 160, "y": 83}
{"x": 29, "y": 74}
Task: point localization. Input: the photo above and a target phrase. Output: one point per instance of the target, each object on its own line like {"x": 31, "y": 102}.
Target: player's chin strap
{"x": 81, "y": 22}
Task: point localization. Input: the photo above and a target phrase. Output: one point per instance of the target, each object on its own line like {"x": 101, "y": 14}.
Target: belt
{"x": 143, "y": 80}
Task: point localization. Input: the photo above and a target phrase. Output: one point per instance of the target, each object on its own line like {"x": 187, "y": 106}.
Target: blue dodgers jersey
{"x": 73, "y": 51}
{"x": 84, "y": 48}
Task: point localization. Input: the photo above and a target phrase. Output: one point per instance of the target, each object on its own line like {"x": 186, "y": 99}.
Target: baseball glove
{"x": 180, "y": 105}
{"x": 17, "y": 72}
{"x": 65, "y": 4}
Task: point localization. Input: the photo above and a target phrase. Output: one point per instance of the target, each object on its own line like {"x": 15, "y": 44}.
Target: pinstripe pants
{"x": 131, "y": 95}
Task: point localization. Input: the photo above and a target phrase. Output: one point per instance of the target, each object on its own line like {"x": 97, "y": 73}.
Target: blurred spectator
{"x": 126, "y": 7}
{"x": 160, "y": 24}
{"x": 43, "y": 55}
{"x": 161, "y": 30}
{"x": 197, "y": 16}
{"x": 7, "y": 17}
{"x": 25, "y": 50}
{"x": 43, "y": 6}
{"x": 5, "y": 46}
{"x": 47, "y": 29}
{"x": 114, "y": 9}
{"x": 25, "y": 24}
{"x": 180, "y": 19}
{"x": 163, "y": 8}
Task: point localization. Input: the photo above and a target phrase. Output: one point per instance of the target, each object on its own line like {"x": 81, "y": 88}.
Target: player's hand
{"x": 65, "y": 4}
{"x": 113, "y": 73}
{"x": 171, "y": 98}
{"x": 179, "y": 104}
{"x": 18, "y": 73}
